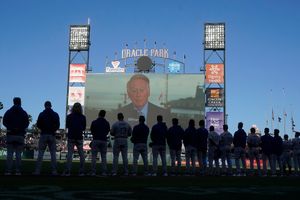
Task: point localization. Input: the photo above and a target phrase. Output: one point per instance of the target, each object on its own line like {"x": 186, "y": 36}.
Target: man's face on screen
{"x": 138, "y": 92}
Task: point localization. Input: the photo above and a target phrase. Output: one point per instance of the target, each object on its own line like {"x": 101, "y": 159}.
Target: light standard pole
{"x": 226, "y": 118}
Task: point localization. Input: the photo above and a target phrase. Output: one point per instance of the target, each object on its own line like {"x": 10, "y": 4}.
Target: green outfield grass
{"x": 139, "y": 187}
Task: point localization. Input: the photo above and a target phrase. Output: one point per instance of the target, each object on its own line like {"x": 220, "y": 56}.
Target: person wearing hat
{"x": 48, "y": 123}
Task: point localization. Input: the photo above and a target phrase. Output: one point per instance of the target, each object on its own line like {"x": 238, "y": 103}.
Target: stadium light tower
{"x": 214, "y": 36}
{"x": 78, "y": 65}
{"x": 214, "y": 67}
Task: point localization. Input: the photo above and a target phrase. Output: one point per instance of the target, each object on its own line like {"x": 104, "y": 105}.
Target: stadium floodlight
{"x": 79, "y": 38}
{"x": 214, "y": 36}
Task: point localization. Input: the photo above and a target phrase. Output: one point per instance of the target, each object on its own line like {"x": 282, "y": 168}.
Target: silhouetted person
{"x": 48, "y": 123}
{"x": 296, "y": 152}
{"x": 99, "y": 129}
{"x": 266, "y": 147}
{"x": 239, "y": 141}
{"x": 190, "y": 145}
{"x": 174, "y": 139}
{"x": 213, "y": 151}
{"x": 16, "y": 121}
{"x": 277, "y": 150}
{"x": 286, "y": 156}
{"x": 139, "y": 138}
{"x": 226, "y": 140}
{"x": 158, "y": 137}
{"x": 254, "y": 142}
{"x": 202, "y": 135}
{"x": 76, "y": 124}
{"x": 121, "y": 130}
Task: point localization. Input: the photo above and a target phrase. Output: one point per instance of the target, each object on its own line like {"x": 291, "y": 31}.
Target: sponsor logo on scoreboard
{"x": 115, "y": 67}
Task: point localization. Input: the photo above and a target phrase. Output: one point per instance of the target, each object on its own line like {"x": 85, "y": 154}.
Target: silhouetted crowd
{"x": 268, "y": 155}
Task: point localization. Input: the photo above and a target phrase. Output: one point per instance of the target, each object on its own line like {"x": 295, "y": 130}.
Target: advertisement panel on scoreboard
{"x": 170, "y": 95}
{"x": 214, "y": 97}
{"x": 77, "y": 73}
{"x": 215, "y": 119}
{"x": 76, "y": 94}
{"x": 214, "y": 73}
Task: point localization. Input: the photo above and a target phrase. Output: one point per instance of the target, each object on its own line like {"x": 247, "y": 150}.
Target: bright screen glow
{"x": 171, "y": 95}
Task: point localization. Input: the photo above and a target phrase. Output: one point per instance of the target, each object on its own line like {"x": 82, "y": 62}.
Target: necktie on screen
{"x": 140, "y": 113}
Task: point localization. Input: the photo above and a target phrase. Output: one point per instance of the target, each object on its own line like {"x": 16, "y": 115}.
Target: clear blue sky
{"x": 262, "y": 48}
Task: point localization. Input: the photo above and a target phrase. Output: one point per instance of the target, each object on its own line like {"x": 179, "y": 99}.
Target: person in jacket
{"x": 226, "y": 140}
{"x": 213, "y": 151}
{"x": 286, "y": 156}
{"x": 48, "y": 123}
{"x": 174, "y": 139}
{"x": 139, "y": 138}
{"x": 266, "y": 147}
{"x": 202, "y": 135}
{"x": 296, "y": 152}
{"x": 120, "y": 130}
{"x": 16, "y": 121}
{"x": 99, "y": 129}
{"x": 239, "y": 142}
{"x": 277, "y": 151}
{"x": 158, "y": 137}
{"x": 75, "y": 124}
{"x": 190, "y": 145}
{"x": 254, "y": 142}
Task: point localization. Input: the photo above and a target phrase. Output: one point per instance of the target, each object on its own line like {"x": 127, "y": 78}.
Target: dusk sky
{"x": 262, "y": 49}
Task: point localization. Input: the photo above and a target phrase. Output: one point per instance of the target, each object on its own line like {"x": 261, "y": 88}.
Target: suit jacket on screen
{"x": 132, "y": 116}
